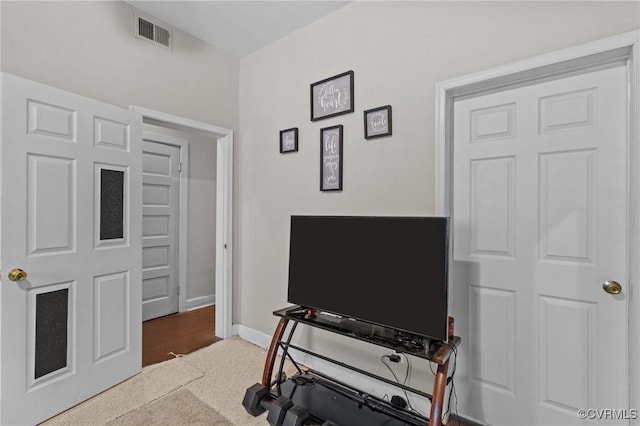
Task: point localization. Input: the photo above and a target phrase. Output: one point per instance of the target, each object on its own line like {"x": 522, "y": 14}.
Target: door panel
{"x": 111, "y": 299}
{"x": 567, "y": 206}
{"x": 160, "y": 224}
{"x": 540, "y": 206}
{"x": 71, "y": 329}
{"x": 51, "y": 190}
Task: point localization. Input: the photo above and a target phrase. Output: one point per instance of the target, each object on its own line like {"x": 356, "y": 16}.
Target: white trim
{"x": 251, "y": 335}
{"x": 183, "y": 245}
{"x": 548, "y": 64}
{"x": 180, "y": 121}
{"x": 224, "y": 246}
{"x": 441, "y": 153}
{"x": 183, "y": 216}
{"x": 634, "y": 229}
{"x": 224, "y": 212}
{"x": 627, "y": 46}
{"x": 200, "y": 302}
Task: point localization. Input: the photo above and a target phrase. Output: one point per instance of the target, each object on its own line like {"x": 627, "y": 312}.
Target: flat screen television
{"x": 388, "y": 271}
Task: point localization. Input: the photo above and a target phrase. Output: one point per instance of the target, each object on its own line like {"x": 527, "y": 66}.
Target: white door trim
{"x": 224, "y": 210}
{"x": 625, "y": 46}
{"x": 183, "y": 216}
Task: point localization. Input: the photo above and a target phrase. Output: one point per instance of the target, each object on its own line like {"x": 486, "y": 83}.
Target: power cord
{"x": 452, "y": 391}
{"x": 406, "y": 378}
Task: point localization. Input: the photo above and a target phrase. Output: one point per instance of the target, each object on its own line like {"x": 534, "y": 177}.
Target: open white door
{"x": 70, "y": 218}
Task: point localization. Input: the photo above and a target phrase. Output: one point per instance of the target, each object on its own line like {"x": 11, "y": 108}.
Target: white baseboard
{"x": 253, "y": 336}
{"x": 364, "y": 383}
{"x": 201, "y": 302}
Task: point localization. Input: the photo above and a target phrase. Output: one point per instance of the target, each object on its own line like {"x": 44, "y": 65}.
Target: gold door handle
{"x": 17, "y": 274}
{"x": 612, "y": 287}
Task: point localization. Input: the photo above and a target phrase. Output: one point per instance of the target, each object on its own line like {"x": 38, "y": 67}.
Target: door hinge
{"x": 180, "y": 167}
{"x": 178, "y": 289}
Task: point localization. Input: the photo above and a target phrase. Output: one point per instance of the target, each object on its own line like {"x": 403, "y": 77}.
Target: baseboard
{"x": 364, "y": 383}
{"x": 201, "y": 302}
{"x": 250, "y": 335}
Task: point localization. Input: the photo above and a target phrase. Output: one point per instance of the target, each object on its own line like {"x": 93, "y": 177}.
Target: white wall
{"x": 201, "y": 239}
{"x": 88, "y": 47}
{"x": 398, "y": 51}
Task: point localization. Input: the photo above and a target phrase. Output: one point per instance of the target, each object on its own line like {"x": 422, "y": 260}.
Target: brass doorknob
{"x": 612, "y": 287}
{"x": 17, "y": 274}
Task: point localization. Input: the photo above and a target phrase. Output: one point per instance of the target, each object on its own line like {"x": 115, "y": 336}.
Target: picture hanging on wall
{"x": 289, "y": 140}
{"x": 377, "y": 122}
{"x": 331, "y": 158}
{"x": 332, "y": 96}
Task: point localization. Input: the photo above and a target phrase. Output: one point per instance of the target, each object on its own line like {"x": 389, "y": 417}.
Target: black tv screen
{"x": 389, "y": 271}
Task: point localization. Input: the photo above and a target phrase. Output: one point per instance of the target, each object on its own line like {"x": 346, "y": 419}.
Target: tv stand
{"x": 437, "y": 352}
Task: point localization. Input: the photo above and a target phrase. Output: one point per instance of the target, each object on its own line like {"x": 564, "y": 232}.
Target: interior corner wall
{"x": 89, "y": 48}
{"x": 398, "y": 51}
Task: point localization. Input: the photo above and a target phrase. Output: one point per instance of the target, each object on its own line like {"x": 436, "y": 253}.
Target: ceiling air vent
{"x": 152, "y": 30}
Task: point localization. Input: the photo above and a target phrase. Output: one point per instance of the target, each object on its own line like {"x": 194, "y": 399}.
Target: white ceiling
{"x": 238, "y": 27}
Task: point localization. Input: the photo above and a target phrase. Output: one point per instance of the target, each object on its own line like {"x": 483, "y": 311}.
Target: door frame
{"x": 183, "y": 216}
{"x": 224, "y": 210}
{"x": 575, "y": 59}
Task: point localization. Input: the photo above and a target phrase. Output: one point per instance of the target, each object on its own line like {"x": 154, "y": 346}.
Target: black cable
{"x": 452, "y": 390}
{"x": 453, "y": 387}
{"x": 411, "y": 409}
{"x": 408, "y": 374}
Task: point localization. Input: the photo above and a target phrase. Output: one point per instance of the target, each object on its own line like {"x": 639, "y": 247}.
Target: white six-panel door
{"x": 540, "y": 223}
{"x": 160, "y": 226}
{"x": 70, "y": 218}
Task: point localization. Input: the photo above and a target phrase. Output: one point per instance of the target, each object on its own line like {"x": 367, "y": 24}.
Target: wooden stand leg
{"x": 273, "y": 352}
{"x": 439, "y": 389}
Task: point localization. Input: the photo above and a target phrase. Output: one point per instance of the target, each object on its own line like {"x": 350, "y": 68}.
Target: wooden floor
{"x": 178, "y": 333}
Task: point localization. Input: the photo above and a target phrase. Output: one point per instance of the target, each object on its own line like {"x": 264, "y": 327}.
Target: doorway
{"x": 222, "y": 140}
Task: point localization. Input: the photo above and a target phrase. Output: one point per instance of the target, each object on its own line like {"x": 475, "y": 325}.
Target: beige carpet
{"x": 179, "y": 407}
{"x": 211, "y": 381}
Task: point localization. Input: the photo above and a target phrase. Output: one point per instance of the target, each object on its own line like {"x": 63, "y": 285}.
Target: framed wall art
{"x": 331, "y": 158}
{"x": 332, "y": 96}
{"x": 289, "y": 140}
{"x": 377, "y": 122}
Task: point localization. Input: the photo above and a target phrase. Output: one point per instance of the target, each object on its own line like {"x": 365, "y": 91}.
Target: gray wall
{"x": 88, "y": 47}
{"x": 398, "y": 51}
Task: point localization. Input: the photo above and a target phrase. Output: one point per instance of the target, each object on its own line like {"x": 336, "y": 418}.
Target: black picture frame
{"x": 332, "y": 96}
{"x": 377, "y": 122}
{"x": 289, "y": 140}
{"x": 331, "y": 141}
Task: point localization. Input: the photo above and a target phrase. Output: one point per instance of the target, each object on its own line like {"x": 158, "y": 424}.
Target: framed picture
{"x": 377, "y": 122}
{"x": 331, "y": 158}
{"x": 289, "y": 140}
{"x": 332, "y": 96}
